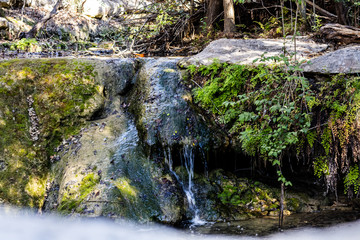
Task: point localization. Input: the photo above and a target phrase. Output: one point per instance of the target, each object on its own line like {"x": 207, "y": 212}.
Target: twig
{"x": 320, "y": 10}
{"x": 262, "y": 3}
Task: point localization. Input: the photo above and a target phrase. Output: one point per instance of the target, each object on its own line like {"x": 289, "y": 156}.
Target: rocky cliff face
{"x": 119, "y": 138}
{"x": 92, "y": 135}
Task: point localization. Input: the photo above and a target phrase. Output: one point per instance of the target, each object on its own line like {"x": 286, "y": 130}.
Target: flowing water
{"x": 187, "y": 183}
{"x": 188, "y": 161}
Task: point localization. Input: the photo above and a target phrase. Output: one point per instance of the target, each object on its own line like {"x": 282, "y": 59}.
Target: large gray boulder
{"x": 42, "y": 3}
{"x": 106, "y": 8}
{"x": 93, "y": 8}
{"x": 101, "y": 8}
{"x": 245, "y": 51}
{"x": 346, "y": 60}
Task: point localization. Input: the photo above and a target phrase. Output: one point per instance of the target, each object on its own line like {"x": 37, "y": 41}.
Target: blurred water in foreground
{"x": 20, "y": 225}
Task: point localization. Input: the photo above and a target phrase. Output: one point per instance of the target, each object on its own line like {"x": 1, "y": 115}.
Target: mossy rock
{"x": 72, "y": 198}
{"x": 41, "y": 103}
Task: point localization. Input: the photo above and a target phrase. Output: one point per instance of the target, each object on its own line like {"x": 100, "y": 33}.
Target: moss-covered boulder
{"x": 222, "y": 196}
{"x": 119, "y": 165}
{"x": 41, "y": 102}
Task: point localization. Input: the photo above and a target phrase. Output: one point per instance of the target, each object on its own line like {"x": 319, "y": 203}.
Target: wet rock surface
{"x": 116, "y": 166}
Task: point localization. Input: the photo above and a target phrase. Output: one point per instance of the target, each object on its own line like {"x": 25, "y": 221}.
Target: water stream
{"x": 188, "y": 159}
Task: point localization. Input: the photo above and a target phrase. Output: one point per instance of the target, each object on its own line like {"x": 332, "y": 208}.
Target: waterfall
{"x": 188, "y": 158}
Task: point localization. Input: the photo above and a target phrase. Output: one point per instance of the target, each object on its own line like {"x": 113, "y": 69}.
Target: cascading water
{"x": 188, "y": 158}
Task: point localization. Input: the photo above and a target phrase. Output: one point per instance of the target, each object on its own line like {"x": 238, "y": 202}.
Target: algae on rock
{"x": 41, "y": 102}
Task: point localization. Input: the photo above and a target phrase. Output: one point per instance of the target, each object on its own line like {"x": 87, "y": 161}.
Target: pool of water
{"x": 269, "y": 225}
{"x": 20, "y": 225}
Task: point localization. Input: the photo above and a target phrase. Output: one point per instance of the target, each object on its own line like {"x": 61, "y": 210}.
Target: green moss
{"x": 63, "y": 92}
{"x": 127, "y": 191}
{"x": 72, "y": 198}
{"x": 293, "y": 204}
{"x": 35, "y": 188}
{"x": 248, "y": 196}
{"x": 25, "y": 44}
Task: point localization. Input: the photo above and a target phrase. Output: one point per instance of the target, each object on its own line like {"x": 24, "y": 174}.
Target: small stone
{"x": 274, "y": 213}
{"x": 102, "y": 126}
{"x": 2, "y": 165}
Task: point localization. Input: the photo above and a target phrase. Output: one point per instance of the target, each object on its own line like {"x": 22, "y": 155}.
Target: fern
{"x": 352, "y": 179}
{"x": 311, "y": 137}
{"x": 321, "y": 166}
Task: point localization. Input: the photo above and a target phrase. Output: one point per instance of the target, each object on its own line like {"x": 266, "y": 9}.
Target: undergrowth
{"x": 273, "y": 111}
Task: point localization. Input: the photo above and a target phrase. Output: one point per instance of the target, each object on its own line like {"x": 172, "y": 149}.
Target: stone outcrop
{"x": 116, "y": 132}
{"x": 245, "y": 51}
{"x": 346, "y": 60}
{"x": 102, "y": 8}
{"x": 118, "y": 165}
{"x": 94, "y": 8}
{"x": 106, "y": 8}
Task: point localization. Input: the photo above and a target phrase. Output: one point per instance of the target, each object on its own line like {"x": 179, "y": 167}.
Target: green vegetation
{"x": 41, "y": 103}
{"x": 72, "y": 198}
{"x": 28, "y": 45}
{"x": 244, "y": 192}
{"x": 265, "y": 107}
{"x": 255, "y": 198}
{"x": 352, "y": 180}
{"x": 273, "y": 111}
{"x": 127, "y": 191}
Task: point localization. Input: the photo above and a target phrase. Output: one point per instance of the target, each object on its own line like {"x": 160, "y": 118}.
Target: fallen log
{"x": 339, "y": 33}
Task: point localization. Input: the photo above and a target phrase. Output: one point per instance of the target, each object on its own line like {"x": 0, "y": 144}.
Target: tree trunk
{"x": 282, "y": 198}
{"x": 340, "y": 12}
{"x": 229, "y": 16}
{"x": 213, "y": 12}
{"x": 38, "y": 26}
{"x": 302, "y": 6}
